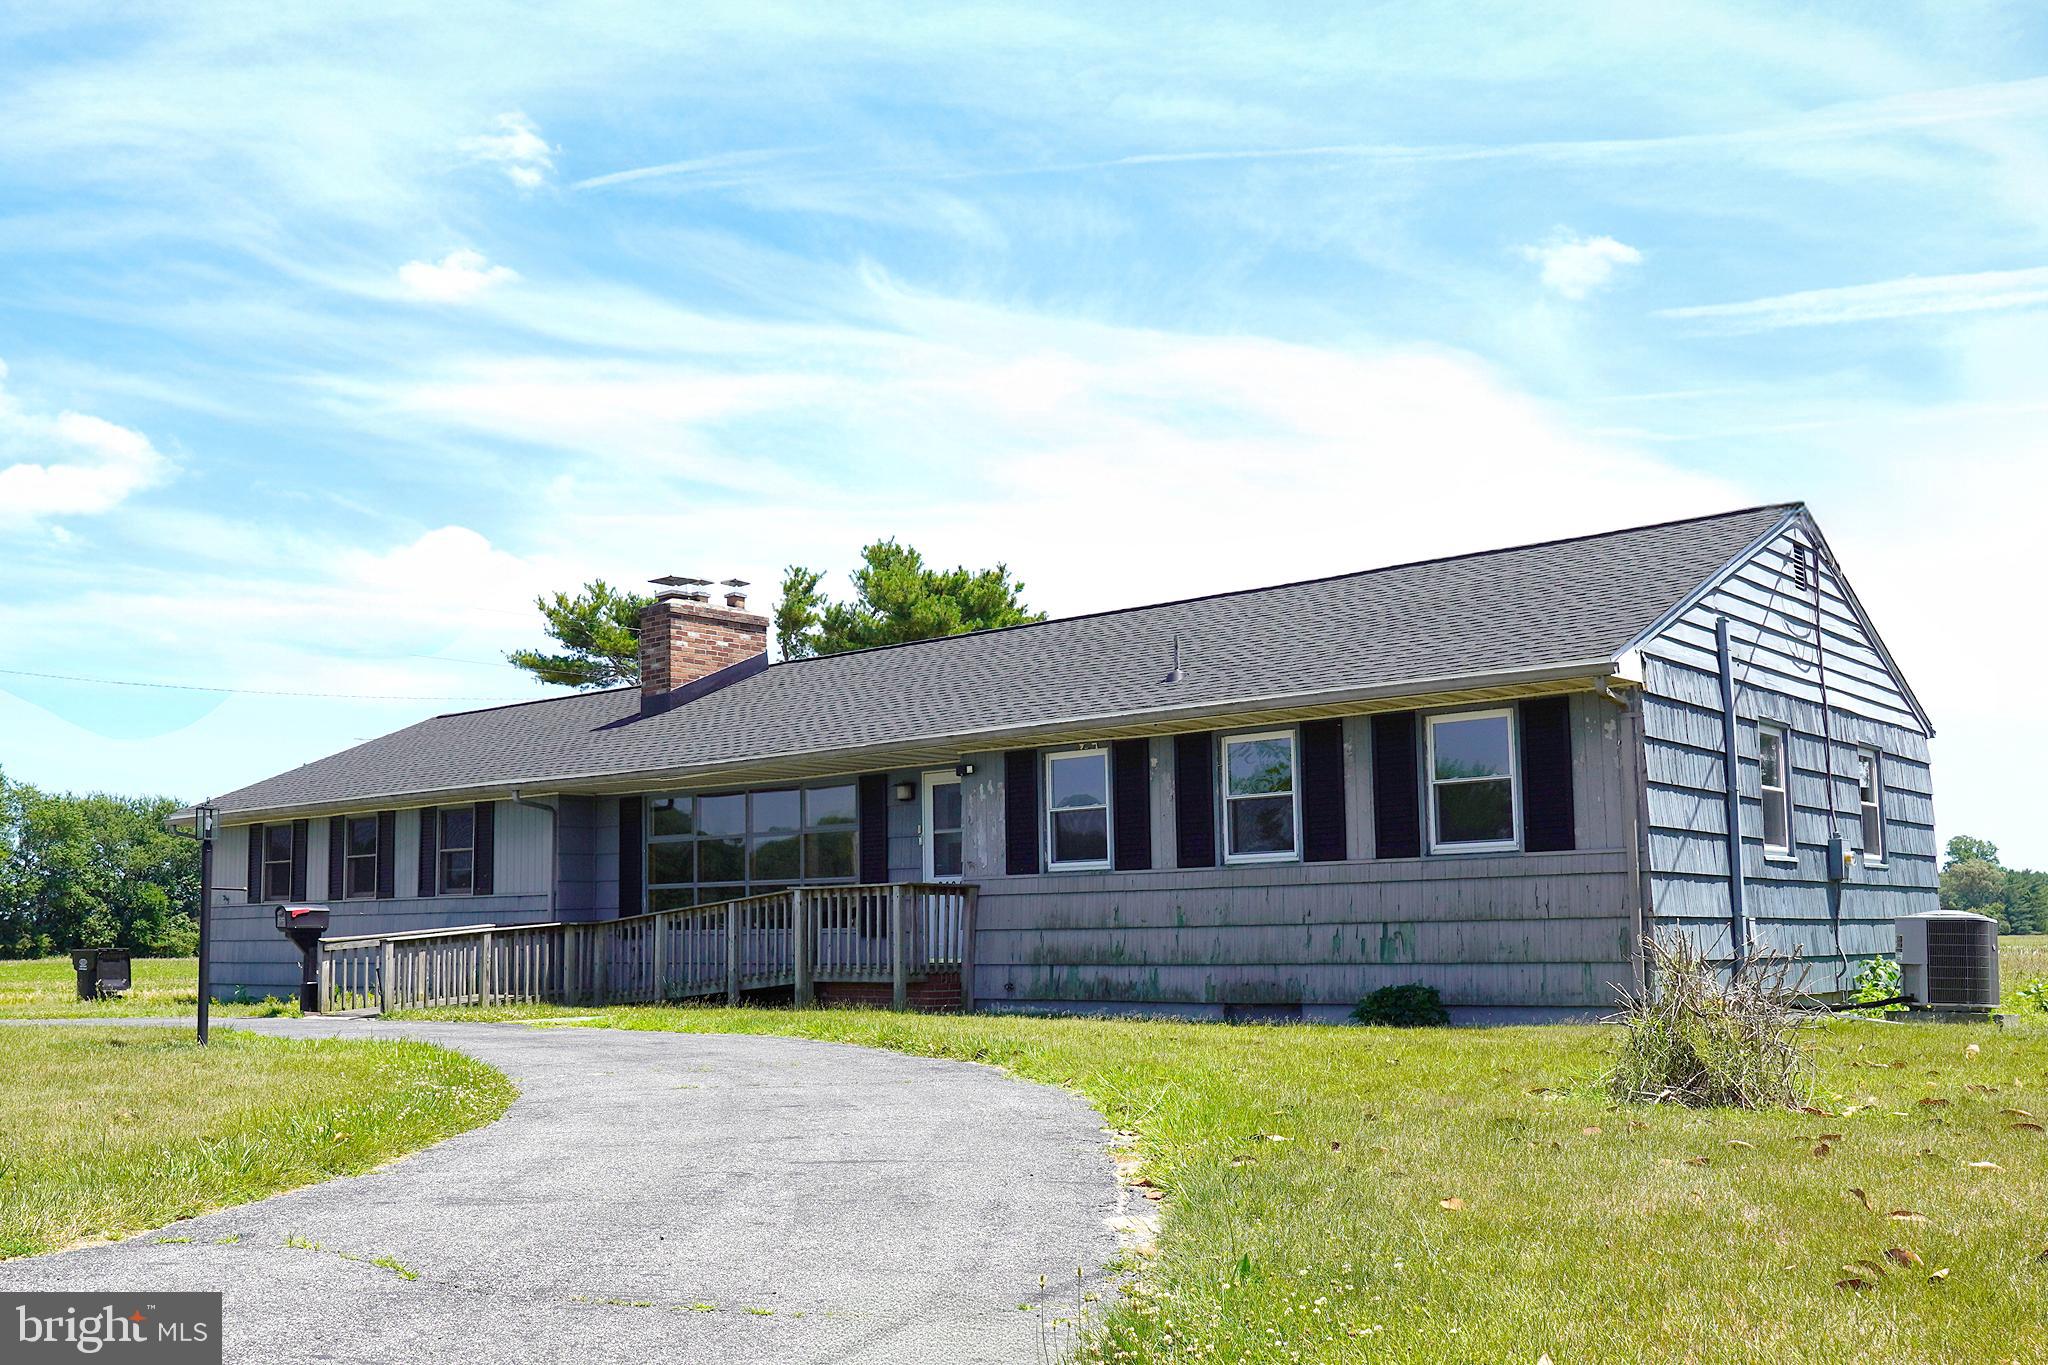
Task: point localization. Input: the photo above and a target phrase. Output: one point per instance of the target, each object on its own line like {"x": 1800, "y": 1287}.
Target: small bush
{"x": 1879, "y": 979}
{"x": 2032, "y": 994}
{"x": 1412, "y": 1006}
{"x": 1697, "y": 1039}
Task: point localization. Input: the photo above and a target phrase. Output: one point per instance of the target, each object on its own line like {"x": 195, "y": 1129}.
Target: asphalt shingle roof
{"x": 1496, "y": 612}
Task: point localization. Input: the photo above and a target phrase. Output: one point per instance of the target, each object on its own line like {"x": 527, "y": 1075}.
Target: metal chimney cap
{"x": 673, "y": 581}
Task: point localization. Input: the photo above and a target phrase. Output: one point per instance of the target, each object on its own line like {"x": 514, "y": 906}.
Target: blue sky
{"x": 333, "y": 334}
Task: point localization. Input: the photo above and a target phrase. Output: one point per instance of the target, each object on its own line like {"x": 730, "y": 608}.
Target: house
{"x": 1493, "y": 773}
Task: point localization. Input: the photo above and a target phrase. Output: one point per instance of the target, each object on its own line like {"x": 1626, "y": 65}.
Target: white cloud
{"x": 1912, "y": 296}
{"x": 695, "y": 166}
{"x": 517, "y": 148}
{"x": 978, "y": 431}
{"x": 455, "y": 278}
{"x": 70, "y": 464}
{"x": 1575, "y": 266}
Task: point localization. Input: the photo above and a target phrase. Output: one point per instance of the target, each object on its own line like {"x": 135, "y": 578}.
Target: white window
{"x": 1870, "y": 796}
{"x": 458, "y": 849}
{"x": 1077, "y": 809}
{"x": 359, "y": 833}
{"x": 1260, "y": 816}
{"x": 277, "y": 862}
{"x": 1770, "y": 750}
{"x": 1472, "y": 800}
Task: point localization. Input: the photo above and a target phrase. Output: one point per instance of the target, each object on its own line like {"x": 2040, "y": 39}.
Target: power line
{"x": 244, "y": 691}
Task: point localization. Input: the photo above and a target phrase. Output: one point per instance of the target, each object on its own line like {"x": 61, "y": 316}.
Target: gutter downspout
{"x": 1738, "y": 927}
{"x": 554, "y": 850}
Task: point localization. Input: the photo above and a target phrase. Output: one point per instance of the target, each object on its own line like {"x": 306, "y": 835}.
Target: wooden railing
{"x": 795, "y": 938}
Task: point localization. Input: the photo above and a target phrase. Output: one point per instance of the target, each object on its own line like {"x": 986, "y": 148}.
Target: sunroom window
{"x": 1770, "y": 751}
{"x": 1870, "y": 797}
{"x": 1258, "y": 797}
{"x": 703, "y": 849}
{"x": 1472, "y": 799}
{"x": 1077, "y": 809}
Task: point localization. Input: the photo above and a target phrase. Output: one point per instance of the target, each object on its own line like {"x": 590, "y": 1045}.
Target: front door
{"x": 942, "y": 826}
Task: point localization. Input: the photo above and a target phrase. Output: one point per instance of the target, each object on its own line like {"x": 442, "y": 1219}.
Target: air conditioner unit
{"x": 1948, "y": 960}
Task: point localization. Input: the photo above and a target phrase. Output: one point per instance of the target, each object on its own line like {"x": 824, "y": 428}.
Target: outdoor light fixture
{"x": 964, "y": 770}
{"x": 906, "y": 791}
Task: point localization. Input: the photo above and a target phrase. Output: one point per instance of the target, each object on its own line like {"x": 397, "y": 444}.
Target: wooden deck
{"x": 799, "y": 938}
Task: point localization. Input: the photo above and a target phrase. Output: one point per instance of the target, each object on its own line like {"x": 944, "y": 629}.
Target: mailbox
{"x": 312, "y": 918}
{"x": 303, "y": 925}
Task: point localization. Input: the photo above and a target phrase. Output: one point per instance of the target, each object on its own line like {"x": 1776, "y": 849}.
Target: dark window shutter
{"x": 387, "y": 854}
{"x": 1131, "y": 776}
{"x": 302, "y": 834}
{"x": 1194, "y": 800}
{"x": 255, "y": 885}
{"x": 430, "y": 845}
{"x": 1020, "y": 812}
{"x": 1547, "y": 825}
{"x": 1396, "y": 808}
{"x": 873, "y": 817}
{"x": 485, "y": 860}
{"x": 632, "y": 852}
{"x": 337, "y": 840}
{"x": 1322, "y": 790}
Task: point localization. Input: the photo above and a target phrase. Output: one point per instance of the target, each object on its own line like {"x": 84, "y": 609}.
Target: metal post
{"x": 207, "y": 817}
{"x": 1731, "y": 767}
{"x": 899, "y": 952}
{"x": 800, "y": 943}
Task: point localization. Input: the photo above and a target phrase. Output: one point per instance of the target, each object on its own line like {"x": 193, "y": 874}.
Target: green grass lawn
{"x": 47, "y": 988}
{"x": 106, "y": 1131}
{"x": 1472, "y": 1195}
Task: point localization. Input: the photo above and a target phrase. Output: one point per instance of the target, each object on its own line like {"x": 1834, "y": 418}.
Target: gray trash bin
{"x": 102, "y": 972}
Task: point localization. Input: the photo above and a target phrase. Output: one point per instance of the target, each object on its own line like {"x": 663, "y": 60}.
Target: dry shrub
{"x": 1706, "y": 1040}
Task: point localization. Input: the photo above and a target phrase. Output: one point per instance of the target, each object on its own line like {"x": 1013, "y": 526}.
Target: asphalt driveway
{"x": 667, "y": 1197}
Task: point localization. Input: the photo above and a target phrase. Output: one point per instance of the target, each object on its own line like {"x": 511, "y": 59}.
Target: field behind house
{"x": 47, "y": 988}
{"x": 104, "y": 1131}
{"x": 2021, "y": 958}
{"x": 1436, "y": 1195}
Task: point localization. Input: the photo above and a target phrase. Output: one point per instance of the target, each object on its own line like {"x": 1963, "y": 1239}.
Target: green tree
{"x": 93, "y": 871}
{"x": 1973, "y": 884}
{"x": 896, "y": 598}
{"x": 1964, "y": 848}
{"x": 2026, "y": 901}
{"x": 598, "y": 629}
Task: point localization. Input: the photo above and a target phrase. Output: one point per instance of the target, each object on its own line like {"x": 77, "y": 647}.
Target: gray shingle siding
{"x": 1834, "y": 927}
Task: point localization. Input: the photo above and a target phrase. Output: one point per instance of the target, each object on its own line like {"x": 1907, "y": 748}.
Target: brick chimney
{"x": 684, "y": 638}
